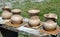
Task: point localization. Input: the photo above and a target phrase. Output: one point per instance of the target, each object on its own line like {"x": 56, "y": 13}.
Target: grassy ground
{"x": 52, "y": 6}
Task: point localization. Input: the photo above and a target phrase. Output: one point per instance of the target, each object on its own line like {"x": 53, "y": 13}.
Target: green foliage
{"x": 0, "y": 12}
{"x": 52, "y": 6}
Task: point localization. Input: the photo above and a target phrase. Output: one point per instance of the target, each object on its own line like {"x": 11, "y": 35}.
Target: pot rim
{"x": 50, "y": 15}
{"x": 16, "y": 10}
{"x": 34, "y": 11}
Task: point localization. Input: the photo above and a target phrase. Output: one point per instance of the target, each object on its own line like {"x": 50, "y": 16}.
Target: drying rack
{"x": 24, "y": 30}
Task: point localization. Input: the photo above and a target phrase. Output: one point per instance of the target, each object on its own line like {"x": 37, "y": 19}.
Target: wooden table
{"x": 24, "y": 30}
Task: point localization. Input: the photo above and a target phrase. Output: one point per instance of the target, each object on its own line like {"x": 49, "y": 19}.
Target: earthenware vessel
{"x": 34, "y": 21}
{"x": 16, "y": 11}
{"x": 6, "y": 15}
{"x": 33, "y": 12}
{"x": 16, "y": 19}
{"x": 49, "y": 25}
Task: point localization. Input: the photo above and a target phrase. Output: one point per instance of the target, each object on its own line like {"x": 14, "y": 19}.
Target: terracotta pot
{"x": 33, "y": 12}
{"x": 6, "y": 15}
{"x": 34, "y": 21}
{"x": 16, "y": 19}
{"x": 16, "y": 11}
{"x": 49, "y": 25}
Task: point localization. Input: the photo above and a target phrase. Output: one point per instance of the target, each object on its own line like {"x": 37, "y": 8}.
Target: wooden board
{"x": 55, "y": 32}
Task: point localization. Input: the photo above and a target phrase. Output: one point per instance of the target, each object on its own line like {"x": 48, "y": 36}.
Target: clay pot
{"x": 16, "y": 19}
{"x": 33, "y": 12}
{"x": 16, "y": 11}
{"x": 50, "y": 15}
{"x": 6, "y": 15}
{"x": 49, "y": 25}
{"x": 34, "y": 21}
{"x": 6, "y": 8}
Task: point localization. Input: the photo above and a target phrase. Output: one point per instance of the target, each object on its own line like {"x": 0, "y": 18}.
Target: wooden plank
{"x": 23, "y": 29}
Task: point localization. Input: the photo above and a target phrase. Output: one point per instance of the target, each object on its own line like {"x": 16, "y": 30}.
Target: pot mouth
{"x": 51, "y": 15}
{"x": 16, "y": 10}
{"x": 34, "y": 11}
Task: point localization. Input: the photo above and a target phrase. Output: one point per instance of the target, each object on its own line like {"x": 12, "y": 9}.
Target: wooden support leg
{"x": 53, "y": 35}
{"x": 1, "y": 35}
{"x": 8, "y": 33}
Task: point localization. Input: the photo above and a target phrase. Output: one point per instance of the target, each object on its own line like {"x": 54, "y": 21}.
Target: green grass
{"x": 52, "y": 6}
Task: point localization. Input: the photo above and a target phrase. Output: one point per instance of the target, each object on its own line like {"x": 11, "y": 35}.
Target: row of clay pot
{"x": 7, "y": 12}
{"x": 34, "y": 20}
{"x": 49, "y": 24}
{"x": 14, "y": 15}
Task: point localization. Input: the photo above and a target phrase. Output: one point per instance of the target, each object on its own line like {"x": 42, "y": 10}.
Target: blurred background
{"x": 45, "y": 6}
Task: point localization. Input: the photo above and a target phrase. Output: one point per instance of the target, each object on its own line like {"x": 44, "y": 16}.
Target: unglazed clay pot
{"x": 6, "y": 15}
{"x": 33, "y": 12}
{"x": 16, "y": 19}
{"x": 6, "y": 8}
{"x": 34, "y": 21}
{"x": 50, "y": 25}
{"x": 16, "y": 11}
